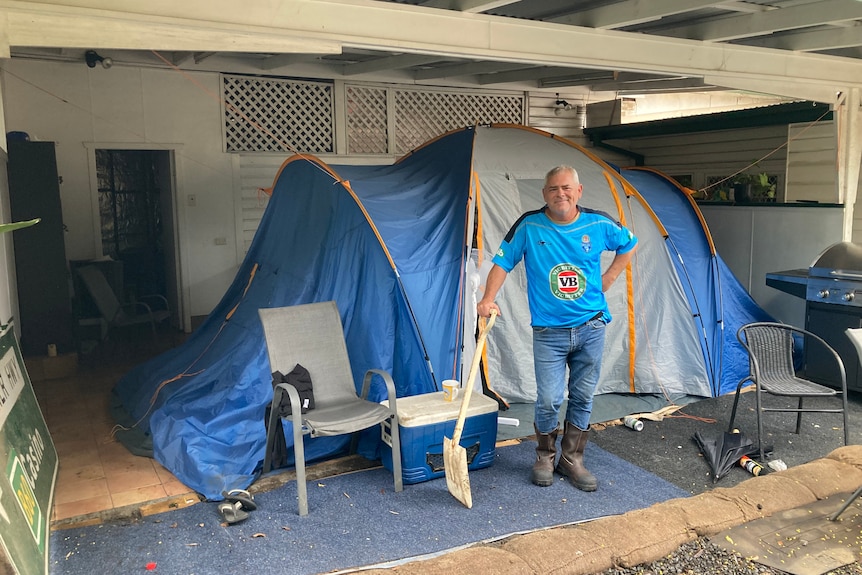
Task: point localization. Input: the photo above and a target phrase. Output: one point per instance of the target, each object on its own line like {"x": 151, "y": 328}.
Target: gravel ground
{"x": 700, "y": 557}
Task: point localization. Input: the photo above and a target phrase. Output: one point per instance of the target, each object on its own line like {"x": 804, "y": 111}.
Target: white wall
{"x": 756, "y": 240}
{"x": 80, "y": 108}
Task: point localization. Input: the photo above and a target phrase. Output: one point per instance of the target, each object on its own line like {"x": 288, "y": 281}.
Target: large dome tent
{"x": 392, "y": 246}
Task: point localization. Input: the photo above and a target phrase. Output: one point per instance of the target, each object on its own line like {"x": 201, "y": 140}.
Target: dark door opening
{"x": 135, "y": 210}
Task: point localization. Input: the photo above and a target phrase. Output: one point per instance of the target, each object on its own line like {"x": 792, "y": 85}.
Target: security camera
{"x": 92, "y": 58}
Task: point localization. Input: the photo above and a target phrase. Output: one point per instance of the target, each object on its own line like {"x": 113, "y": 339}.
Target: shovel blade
{"x": 457, "y": 475}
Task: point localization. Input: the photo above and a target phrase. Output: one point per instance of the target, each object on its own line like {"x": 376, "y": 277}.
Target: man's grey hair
{"x": 556, "y": 170}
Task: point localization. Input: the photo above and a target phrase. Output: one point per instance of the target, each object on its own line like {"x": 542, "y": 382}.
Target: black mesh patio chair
{"x": 770, "y": 353}
{"x": 312, "y": 335}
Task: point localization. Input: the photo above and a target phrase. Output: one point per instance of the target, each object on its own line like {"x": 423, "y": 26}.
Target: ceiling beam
{"x": 388, "y": 63}
{"x": 93, "y": 28}
{"x": 577, "y": 79}
{"x": 466, "y": 69}
{"x": 474, "y": 6}
{"x": 645, "y": 86}
{"x": 594, "y": 77}
{"x": 792, "y": 18}
{"x": 281, "y": 60}
{"x": 830, "y": 39}
{"x": 525, "y": 75}
{"x": 746, "y": 7}
{"x": 290, "y": 25}
{"x": 178, "y": 58}
{"x": 631, "y": 12}
{"x": 201, "y": 56}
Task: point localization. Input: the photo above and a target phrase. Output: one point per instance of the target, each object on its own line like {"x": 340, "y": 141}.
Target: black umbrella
{"x": 725, "y": 451}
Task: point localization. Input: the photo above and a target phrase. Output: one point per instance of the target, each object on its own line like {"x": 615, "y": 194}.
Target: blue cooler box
{"x": 426, "y": 419}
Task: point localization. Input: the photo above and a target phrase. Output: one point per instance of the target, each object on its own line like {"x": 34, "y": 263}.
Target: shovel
{"x": 455, "y": 456}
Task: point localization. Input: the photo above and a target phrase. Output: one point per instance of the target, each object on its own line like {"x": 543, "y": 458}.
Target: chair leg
{"x": 299, "y": 455}
{"x": 395, "y": 434}
{"x": 759, "y": 421}
{"x": 735, "y": 404}
{"x": 799, "y": 417}
{"x": 270, "y": 430}
{"x": 847, "y": 504}
{"x": 844, "y": 415}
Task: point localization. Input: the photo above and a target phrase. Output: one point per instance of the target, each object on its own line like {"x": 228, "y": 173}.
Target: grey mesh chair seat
{"x": 771, "y": 369}
{"x": 312, "y": 336}
{"x": 344, "y": 418}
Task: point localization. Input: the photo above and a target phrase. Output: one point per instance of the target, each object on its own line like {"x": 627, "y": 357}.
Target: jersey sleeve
{"x": 511, "y": 249}
{"x": 622, "y": 240}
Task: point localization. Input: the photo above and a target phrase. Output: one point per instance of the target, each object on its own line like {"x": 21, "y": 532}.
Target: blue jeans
{"x": 578, "y": 348}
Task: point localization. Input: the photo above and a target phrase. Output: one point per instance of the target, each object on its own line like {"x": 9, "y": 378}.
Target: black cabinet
{"x": 829, "y": 322}
{"x": 44, "y": 301}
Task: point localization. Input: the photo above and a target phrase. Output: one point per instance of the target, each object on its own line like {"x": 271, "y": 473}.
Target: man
{"x": 561, "y": 245}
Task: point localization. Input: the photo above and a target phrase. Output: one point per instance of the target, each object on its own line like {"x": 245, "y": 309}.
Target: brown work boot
{"x": 572, "y": 458}
{"x": 546, "y": 451}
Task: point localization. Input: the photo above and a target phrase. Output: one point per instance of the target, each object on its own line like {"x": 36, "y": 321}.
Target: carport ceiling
{"x": 830, "y": 27}
{"x": 823, "y": 38}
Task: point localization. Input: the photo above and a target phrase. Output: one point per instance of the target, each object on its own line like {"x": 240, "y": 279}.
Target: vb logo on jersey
{"x": 567, "y": 281}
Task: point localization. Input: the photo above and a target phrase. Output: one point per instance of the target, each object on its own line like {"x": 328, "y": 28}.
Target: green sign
{"x": 27, "y": 486}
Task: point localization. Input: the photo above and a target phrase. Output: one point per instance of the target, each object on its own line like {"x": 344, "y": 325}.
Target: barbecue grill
{"x": 832, "y": 289}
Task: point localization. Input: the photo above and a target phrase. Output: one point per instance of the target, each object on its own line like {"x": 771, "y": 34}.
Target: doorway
{"x": 136, "y": 222}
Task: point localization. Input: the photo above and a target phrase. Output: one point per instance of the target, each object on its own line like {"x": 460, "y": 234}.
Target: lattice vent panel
{"x": 423, "y": 115}
{"x": 366, "y": 120}
{"x": 275, "y": 115}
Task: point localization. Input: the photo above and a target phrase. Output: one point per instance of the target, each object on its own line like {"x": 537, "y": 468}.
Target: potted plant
{"x": 742, "y": 188}
{"x": 753, "y": 188}
{"x": 762, "y": 187}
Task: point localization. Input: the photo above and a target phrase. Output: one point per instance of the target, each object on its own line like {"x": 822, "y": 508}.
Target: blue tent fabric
{"x": 390, "y": 245}
{"x": 203, "y": 403}
{"x": 719, "y": 302}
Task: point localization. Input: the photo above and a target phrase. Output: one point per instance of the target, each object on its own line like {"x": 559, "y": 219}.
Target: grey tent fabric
{"x": 648, "y": 303}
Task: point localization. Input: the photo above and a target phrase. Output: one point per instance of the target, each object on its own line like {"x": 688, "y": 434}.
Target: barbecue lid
{"x": 838, "y": 259}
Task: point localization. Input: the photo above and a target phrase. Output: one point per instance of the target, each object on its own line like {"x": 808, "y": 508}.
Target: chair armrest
{"x": 387, "y": 379}
{"x": 156, "y": 296}
{"x": 133, "y": 308}
{"x": 295, "y": 406}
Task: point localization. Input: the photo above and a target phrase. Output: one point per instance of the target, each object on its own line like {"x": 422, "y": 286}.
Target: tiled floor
{"x": 97, "y": 473}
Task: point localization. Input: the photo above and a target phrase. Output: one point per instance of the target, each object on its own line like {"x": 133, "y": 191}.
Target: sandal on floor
{"x": 232, "y": 512}
{"x": 244, "y": 498}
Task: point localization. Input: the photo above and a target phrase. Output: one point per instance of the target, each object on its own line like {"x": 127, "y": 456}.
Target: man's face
{"x": 562, "y": 194}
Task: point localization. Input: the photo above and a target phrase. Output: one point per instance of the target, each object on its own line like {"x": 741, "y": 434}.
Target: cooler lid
{"x": 430, "y": 408}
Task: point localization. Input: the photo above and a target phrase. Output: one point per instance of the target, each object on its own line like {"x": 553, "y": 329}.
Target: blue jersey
{"x": 563, "y": 264}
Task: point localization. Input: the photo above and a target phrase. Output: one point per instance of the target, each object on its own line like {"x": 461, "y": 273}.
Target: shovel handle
{"x": 474, "y": 369}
